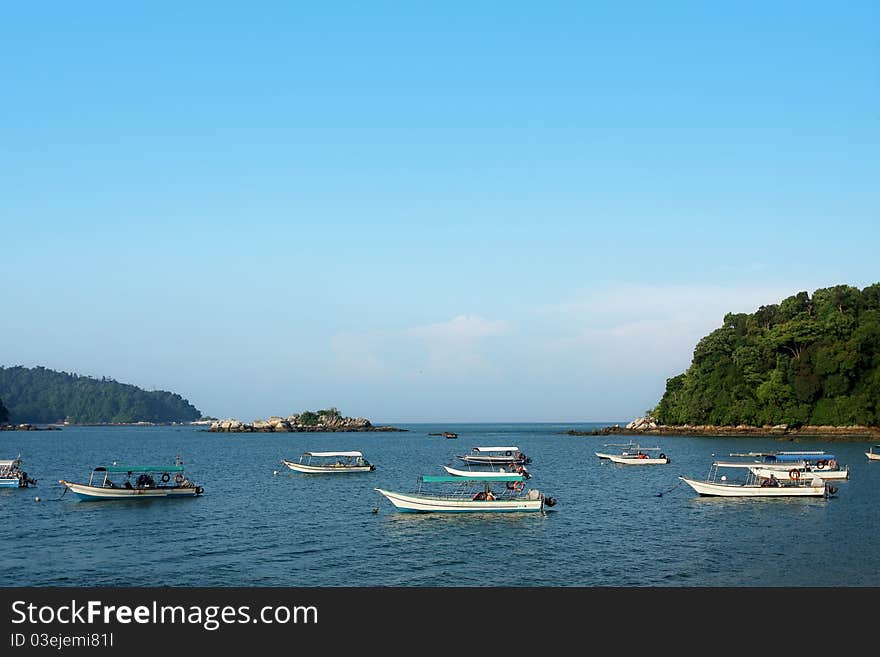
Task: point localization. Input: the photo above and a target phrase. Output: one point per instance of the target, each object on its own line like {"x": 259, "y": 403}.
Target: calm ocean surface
{"x": 252, "y": 527}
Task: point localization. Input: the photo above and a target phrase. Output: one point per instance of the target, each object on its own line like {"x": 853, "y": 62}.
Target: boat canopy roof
{"x": 331, "y": 454}
{"x": 496, "y": 449}
{"x": 139, "y": 468}
{"x": 732, "y": 464}
{"x": 443, "y": 479}
{"x": 790, "y": 457}
{"x": 9, "y": 462}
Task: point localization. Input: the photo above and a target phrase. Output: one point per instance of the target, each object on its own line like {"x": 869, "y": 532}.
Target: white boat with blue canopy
{"x": 330, "y": 463}
{"x": 125, "y": 482}
{"x": 469, "y": 494}
{"x": 495, "y": 456}
{"x": 797, "y": 465}
{"x": 717, "y": 483}
{"x": 12, "y": 476}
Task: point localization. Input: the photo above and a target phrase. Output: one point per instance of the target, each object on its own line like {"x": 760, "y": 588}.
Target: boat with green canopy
{"x": 124, "y": 482}
{"x": 469, "y": 493}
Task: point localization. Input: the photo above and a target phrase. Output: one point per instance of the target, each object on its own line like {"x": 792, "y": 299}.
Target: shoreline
{"x": 783, "y": 432}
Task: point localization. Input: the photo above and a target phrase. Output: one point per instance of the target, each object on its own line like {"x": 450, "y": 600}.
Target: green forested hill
{"x": 4, "y": 414}
{"x": 807, "y": 360}
{"x": 41, "y": 395}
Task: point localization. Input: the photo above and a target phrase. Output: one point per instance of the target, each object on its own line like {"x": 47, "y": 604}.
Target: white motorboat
{"x": 135, "y": 482}
{"x": 797, "y": 465}
{"x": 489, "y": 473}
{"x": 717, "y": 484}
{"x": 470, "y": 494}
{"x": 330, "y": 463}
{"x": 12, "y": 476}
{"x": 634, "y": 454}
{"x": 495, "y": 456}
{"x": 872, "y": 455}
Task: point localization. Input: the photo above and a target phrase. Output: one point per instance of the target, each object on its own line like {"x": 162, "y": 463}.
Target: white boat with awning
{"x": 795, "y": 465}
{"x": 749, "y": 485}
{"x": 638, "y": 455}
{"x": 495, "y": 455}
{"x": 12, "y": 476}
{"x": 124, "y": 482}
{"x": 330, "y": 463}
{"x": 469, "y": 494}
{"x": 489, "y": 473}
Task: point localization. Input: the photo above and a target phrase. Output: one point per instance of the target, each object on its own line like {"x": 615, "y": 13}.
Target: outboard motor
{"x": 549, "y": 501}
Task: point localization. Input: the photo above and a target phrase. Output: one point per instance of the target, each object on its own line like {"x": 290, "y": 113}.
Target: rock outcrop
{"x": 650, "y": 426}
{"x": 294, "y": 423}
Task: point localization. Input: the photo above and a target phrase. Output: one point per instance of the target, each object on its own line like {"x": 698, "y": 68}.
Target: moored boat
{"x": 489, "y": 473}
{"x": 797, "y": 465}
{"x": 495, "y": 456}
{"x": 330, "y": 463}
{"x": 872, "y": 455}
{"x": 717, "y": 484}
{"x": 800, "y": 471}
{"x": 137, "y": 482}
{"x": 638, "y": 455}
{"x": 12, "y": 476}
{"x": 470, "y": 494}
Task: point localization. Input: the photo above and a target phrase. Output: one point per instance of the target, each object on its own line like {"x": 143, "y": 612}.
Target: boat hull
{"x": 13, "y": 482}
{"x": 785, "y": 475}
{"x": 92, "y": 493}
{"x": 418, "y": 503}
{"x": 632, "y": 460}
{"x": 741, "y": 490}
{"x": 490, "y": 460}
{"x": 484, "y": 474}
{"x": 872, "y": 456}
{"x": 327, "y": 469}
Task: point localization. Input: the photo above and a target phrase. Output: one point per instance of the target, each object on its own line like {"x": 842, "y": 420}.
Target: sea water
{"x": 261, "y": 524}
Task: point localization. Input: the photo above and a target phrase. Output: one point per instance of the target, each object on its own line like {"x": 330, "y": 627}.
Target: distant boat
{"x": 470, "y": 494}
{"x": 872, "y": 455}
{"x": 330, "y": 463}
{"x": 753, "y": 486}
{"x": 489, "y": 473}
{"x": 495, "y": 456}
{"x": 139, "y": 483}
{"x": 449, "y": 434}
{"x": 635, "y": 454}
{"x": 12, "y": 476}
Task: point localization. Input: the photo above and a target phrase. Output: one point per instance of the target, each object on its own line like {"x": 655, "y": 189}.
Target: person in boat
{"x": 480, "y": 496}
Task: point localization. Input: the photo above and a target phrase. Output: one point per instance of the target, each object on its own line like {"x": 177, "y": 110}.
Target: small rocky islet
{"x": 302, "y": 422}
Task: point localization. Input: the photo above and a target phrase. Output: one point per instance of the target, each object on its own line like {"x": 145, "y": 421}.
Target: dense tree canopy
{"x": 807, "y": 360}
{"x": 40, "y": 395}
{"x": 4, "y": 414}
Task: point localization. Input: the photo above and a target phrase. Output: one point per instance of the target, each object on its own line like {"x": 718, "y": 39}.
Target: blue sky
{"x": 414, "y": 211}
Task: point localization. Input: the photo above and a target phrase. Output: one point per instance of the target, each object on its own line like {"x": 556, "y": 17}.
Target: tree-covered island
{"x": 40, "y": 395}
{"x": 809, "y": 364}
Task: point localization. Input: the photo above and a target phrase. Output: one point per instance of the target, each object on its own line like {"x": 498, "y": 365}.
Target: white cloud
{"x": 356, "y": 355}
{"x": 648, "y": 328}
{"x": 456, "y": 346}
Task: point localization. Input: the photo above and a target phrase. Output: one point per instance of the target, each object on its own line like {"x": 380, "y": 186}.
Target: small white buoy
{"x": 37, "y": 498}
{"x": 274, "y": 472}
